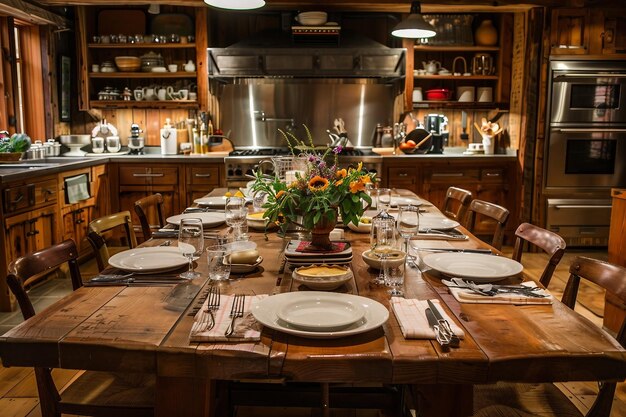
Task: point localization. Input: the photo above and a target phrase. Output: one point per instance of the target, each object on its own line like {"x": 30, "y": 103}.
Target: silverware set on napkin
{"x": 213, "y": 304}
{"x": 236, "y": 311}
{"x": 490, "y": 290}
{"x": 444, "y": 334}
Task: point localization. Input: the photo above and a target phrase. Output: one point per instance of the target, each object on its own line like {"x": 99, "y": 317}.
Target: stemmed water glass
{"x": 408, "y": 224}
{"x": 190, "y": 243}
{"x": 384, "y": 199}
{"x": 383, "y": 244}
{"x": 236, "y": 211}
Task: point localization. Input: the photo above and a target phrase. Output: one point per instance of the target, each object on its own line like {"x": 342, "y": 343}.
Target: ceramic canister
{"x": 465, "y": 93}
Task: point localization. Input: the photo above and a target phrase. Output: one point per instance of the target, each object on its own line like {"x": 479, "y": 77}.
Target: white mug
{"x": 138, "y": 93}
{"x": 417, "y": 95}
{"x": 148, "y": 93}
{"x": 113, "y": 144}
{"x": 485, "y": 94}
{"x": 465, "y": 93}
{"x": 183, "y": 94}
{"x": 162, "y": 94}
{"x": 172, "y": 67}
{"x": 193, "y": 95}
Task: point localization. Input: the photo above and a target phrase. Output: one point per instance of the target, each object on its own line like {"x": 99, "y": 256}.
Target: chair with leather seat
{"x": 484, "y": 211}
{"x": 149, "y": 208}
{"x": 92, "y": 393}
{"x": 545, "y": 399}
{"x": 550, "y": 242}
{"x": 102, "y": 227}
{"x": 456, "y": 203}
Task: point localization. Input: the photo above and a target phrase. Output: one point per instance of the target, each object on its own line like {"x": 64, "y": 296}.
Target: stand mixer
{"x": 135, "y": 142}
{"x": 437, "y": 124}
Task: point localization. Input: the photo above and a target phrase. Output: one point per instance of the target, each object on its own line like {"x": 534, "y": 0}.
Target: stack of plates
{"x": 309, "y": 258}
{"x": 320, "y": 315}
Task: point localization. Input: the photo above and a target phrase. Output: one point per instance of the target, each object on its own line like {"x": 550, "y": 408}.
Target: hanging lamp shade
{"x": 414, "y": 26}
{"x": 236, "y": 4}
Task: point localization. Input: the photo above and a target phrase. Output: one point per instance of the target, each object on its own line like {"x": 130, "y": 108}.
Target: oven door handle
{"x": 588, "y": 75}
{"x": 581, "y": 206}
{"x": 586, "y": 130}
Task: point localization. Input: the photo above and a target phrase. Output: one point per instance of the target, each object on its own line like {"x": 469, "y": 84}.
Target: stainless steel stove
{"x": 241, "y": 163}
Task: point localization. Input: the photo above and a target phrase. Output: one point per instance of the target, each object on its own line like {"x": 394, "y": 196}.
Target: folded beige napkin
{"x": 465, "y": 295}
{"x": 411, "y": 315}
{"x": 247, "y": 329}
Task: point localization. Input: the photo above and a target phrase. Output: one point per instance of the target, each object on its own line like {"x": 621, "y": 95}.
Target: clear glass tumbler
{"x": 218, "y": 258}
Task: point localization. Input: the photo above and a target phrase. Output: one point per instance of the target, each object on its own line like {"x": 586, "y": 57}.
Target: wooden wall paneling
{"x": 10, "y": 91}
{"x": 4, "y": 83}
{"x": 80, "y": 27}
{"x": 152, "y": 128}
{"x": 507, "y": 34}
{"x": 47, "y": 72}
{"x": 201, "y": 58}
{"x": 32, "y": 83}
{"x": 519, "y": 57}
{"x": 409, "y": 81}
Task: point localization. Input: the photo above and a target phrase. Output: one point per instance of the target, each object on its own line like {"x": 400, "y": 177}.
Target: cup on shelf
{"x": 485, "y": 94}
{"x": 417, "y": 95}
{"x": 138, "y": 93}
{"x": 172, "y": 67}
{"x": 162, "y": 93}
{"x": 465, "y": 93}
{"x": 183, "y": 94}
{"x": 95, "y": 68}
{"x": 193, "y": 95}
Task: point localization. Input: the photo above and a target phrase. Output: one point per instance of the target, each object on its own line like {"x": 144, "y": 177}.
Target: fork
{"x": 236, "y": 311}
{"x": 213, "y": 304}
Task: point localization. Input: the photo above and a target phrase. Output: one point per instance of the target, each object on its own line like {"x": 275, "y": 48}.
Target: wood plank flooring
{"x": 18, "y": 391}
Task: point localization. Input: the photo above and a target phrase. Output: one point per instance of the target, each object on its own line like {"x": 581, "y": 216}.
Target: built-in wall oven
{"x": 585, "y": 148}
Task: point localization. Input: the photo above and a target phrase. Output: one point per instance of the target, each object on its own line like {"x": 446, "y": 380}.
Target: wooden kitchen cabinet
{"x": 30, "y": 232}
{"x": 614, "y": 309}
{"x": 135, "y": 181}
{"x": 202, "y": 179}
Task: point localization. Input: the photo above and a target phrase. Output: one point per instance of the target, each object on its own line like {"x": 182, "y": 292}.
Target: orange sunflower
{"x": 342, "y": 173}
{"x": 356, "y": 186}
{"x": 318, "y": 183}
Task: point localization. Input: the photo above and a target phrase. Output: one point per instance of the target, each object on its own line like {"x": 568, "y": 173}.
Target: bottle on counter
{"x": 197, "y": 145}
{"x": 204, "y": 141}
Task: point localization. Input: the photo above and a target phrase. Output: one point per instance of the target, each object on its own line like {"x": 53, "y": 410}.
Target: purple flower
{"x": 322, "y": 165}
{"x": 311, "y": 158}
{"x": 338, "y": 149}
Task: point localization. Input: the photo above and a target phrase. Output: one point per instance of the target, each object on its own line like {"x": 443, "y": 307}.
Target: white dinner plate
{"x": 404, "y": 201}
{"x": 265, "y": 312}
{"x": 208, "y": 219}
{"x": 436, "y": 222}
{"x": 474, "y": 266}
{"x": 211, "y": 201}
{"x": 144, "y": 260}
{"x": 320, "y": 313}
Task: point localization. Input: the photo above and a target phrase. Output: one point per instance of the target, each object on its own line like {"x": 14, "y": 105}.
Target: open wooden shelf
{"x": 120, "y": 74}
{"x": 146, "y": 104}
{"x": 456, "y": 77}
{"x": 451, "y": 104}
{"x": 456, "y": 48}
{"x": 140, "y": 45}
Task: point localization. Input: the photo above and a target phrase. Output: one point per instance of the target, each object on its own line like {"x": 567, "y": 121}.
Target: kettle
{"x": 482, "y": 64}
{"x": 432, "y": 66}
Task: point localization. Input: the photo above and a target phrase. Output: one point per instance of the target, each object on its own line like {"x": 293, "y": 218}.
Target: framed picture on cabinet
{"x": 64, "y": 88}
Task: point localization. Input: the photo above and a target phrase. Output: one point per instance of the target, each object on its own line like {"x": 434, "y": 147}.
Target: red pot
{"x": 438, "y": 94}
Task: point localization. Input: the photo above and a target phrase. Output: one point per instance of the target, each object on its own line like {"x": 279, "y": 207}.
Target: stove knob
{"x": 238, "y": 171}
{"x": 230, "y": 171}
{"x": 249, "y": 171}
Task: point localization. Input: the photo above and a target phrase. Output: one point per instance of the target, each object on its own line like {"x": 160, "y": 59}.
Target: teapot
{"x": 431, "y": 67}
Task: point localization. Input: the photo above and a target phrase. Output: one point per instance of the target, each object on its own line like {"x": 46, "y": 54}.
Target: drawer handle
{"x": 47, "y": 191}
{"x": 448, "y": 174}
{"x": 79, "y": 221}
{"x": 403, "y": 174}
{"x": 32, "y": 232}
{"x": 202, "y": 175}
{"x": 581, "y": 206}
{"x": 492, "y": 174}
{"x": 19, "y": 198}
{"x": 149, "y": 175}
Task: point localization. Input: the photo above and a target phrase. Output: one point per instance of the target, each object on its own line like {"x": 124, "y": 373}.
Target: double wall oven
{"x": 585, "y": 148}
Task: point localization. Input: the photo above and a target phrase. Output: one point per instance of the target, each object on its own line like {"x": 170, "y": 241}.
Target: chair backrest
{"x": 613, "y": 279}
{"x": 548, "y": 241}
{"x": 99, "y": 226}
{"x": 145, "y": 209}
{"x": 456, "y": 203}
{"x": 481, "y": 210}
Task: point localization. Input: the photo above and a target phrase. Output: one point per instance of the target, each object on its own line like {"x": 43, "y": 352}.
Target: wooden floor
{"x": 18, "y": 392}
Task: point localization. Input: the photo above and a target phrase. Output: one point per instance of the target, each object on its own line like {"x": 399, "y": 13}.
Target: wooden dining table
{"x": 146, "y": 329}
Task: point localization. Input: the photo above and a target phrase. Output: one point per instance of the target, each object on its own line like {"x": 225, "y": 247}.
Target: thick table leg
{"x": 443, "y": 400}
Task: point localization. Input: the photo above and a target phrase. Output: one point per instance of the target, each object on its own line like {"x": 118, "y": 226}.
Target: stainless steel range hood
{"x": 278, "y": 55}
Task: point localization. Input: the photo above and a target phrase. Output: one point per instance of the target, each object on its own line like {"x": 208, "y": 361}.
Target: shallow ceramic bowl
{"x": 362, "y": 227}
{"x": 321, "y": 282}
{"x": 396, "y": 258}
{"x": 244, "y": 268}
{"x": 128, "y": 63}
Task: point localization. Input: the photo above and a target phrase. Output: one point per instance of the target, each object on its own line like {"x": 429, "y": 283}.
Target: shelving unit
{"x": 499, "y": 81}
{"x": 91, "y": 83}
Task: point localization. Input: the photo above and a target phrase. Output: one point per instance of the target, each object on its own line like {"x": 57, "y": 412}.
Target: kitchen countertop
{"x": 26, "y": 169}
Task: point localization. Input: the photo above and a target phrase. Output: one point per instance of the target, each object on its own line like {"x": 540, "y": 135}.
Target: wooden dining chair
{"x": 455, "y": 204}
{"x": 92, "y": 393}
{"x": 551, "y": 243}
{"x": 150, "y": 208}
{"x": 484, "y": 211}
{"x": 100, "y": 228}
{"x": 507, "y": 399}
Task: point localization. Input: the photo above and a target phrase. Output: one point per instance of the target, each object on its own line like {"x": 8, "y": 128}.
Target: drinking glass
{"x": 190, "y": 243}
{"x": 408, "y": 224}
{"x": 383, "y": 242}
{"x": 384, "y": 199}
{"x": 236, "y": 211}
{"x": 219, "y": 265}
{"x": 97, "y": 145}
{"x": 395, "y": 279}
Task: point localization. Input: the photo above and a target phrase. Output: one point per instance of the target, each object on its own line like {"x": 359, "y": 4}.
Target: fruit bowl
{"x": 417, "y": 141}
{"x": 128, "y": 63}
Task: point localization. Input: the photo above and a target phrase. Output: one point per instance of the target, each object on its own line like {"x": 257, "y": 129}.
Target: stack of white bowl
{"x": 312, "y": 18}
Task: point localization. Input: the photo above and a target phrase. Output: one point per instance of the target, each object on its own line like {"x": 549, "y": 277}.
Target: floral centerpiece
{"x": 317, "y": 194}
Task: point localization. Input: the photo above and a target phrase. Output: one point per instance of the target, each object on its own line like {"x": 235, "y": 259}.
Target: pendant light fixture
{"x": 414, "y": 26}
{"x": 236, "y": 4}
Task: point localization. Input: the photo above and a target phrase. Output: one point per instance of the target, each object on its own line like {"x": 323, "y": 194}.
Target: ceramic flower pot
{"x": 320, "y": 234}
{"x": 486, "y": 34}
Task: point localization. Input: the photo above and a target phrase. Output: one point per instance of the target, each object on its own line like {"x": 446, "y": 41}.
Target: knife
{"x": 454, "y": 340}
{"x": 442, "y": 338}
{"x": 485, "y": 251}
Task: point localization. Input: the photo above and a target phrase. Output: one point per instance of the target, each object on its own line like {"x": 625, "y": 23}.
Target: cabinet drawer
{"x": 405, "y": 175}
{"x": 45, "y": 191}
{"x": 148, "y": 175}
{"x": 19, "y": 197}
{"x": 453, "y": 175}
{"x": 204, "y": 175}
{"x": 493, "y": 175}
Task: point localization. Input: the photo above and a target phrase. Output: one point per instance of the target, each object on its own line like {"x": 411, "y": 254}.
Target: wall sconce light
{"x": 414, "y": 26}
{"x": 236, "y": 4}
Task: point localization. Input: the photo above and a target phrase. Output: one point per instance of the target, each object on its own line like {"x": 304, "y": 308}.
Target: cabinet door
{"x": 438, "y": 180}
{"x": 129, "y": 194}
{"x": 201, "y": 180}
{"x": 403, "y": 177}
{"x": 570, "y": 31}
{"x": 614, "y": 35}
{"x": 75, "y": 224}
{"x": 30, "y": 232}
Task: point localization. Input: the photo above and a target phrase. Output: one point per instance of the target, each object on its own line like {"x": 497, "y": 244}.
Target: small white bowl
{"x": 322, "y": 282}
{"x": 159, "y": 69}
{"x": 244, "y": 268}
{"x": 362, "y": 227}
{"x": 394, "y": 260}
